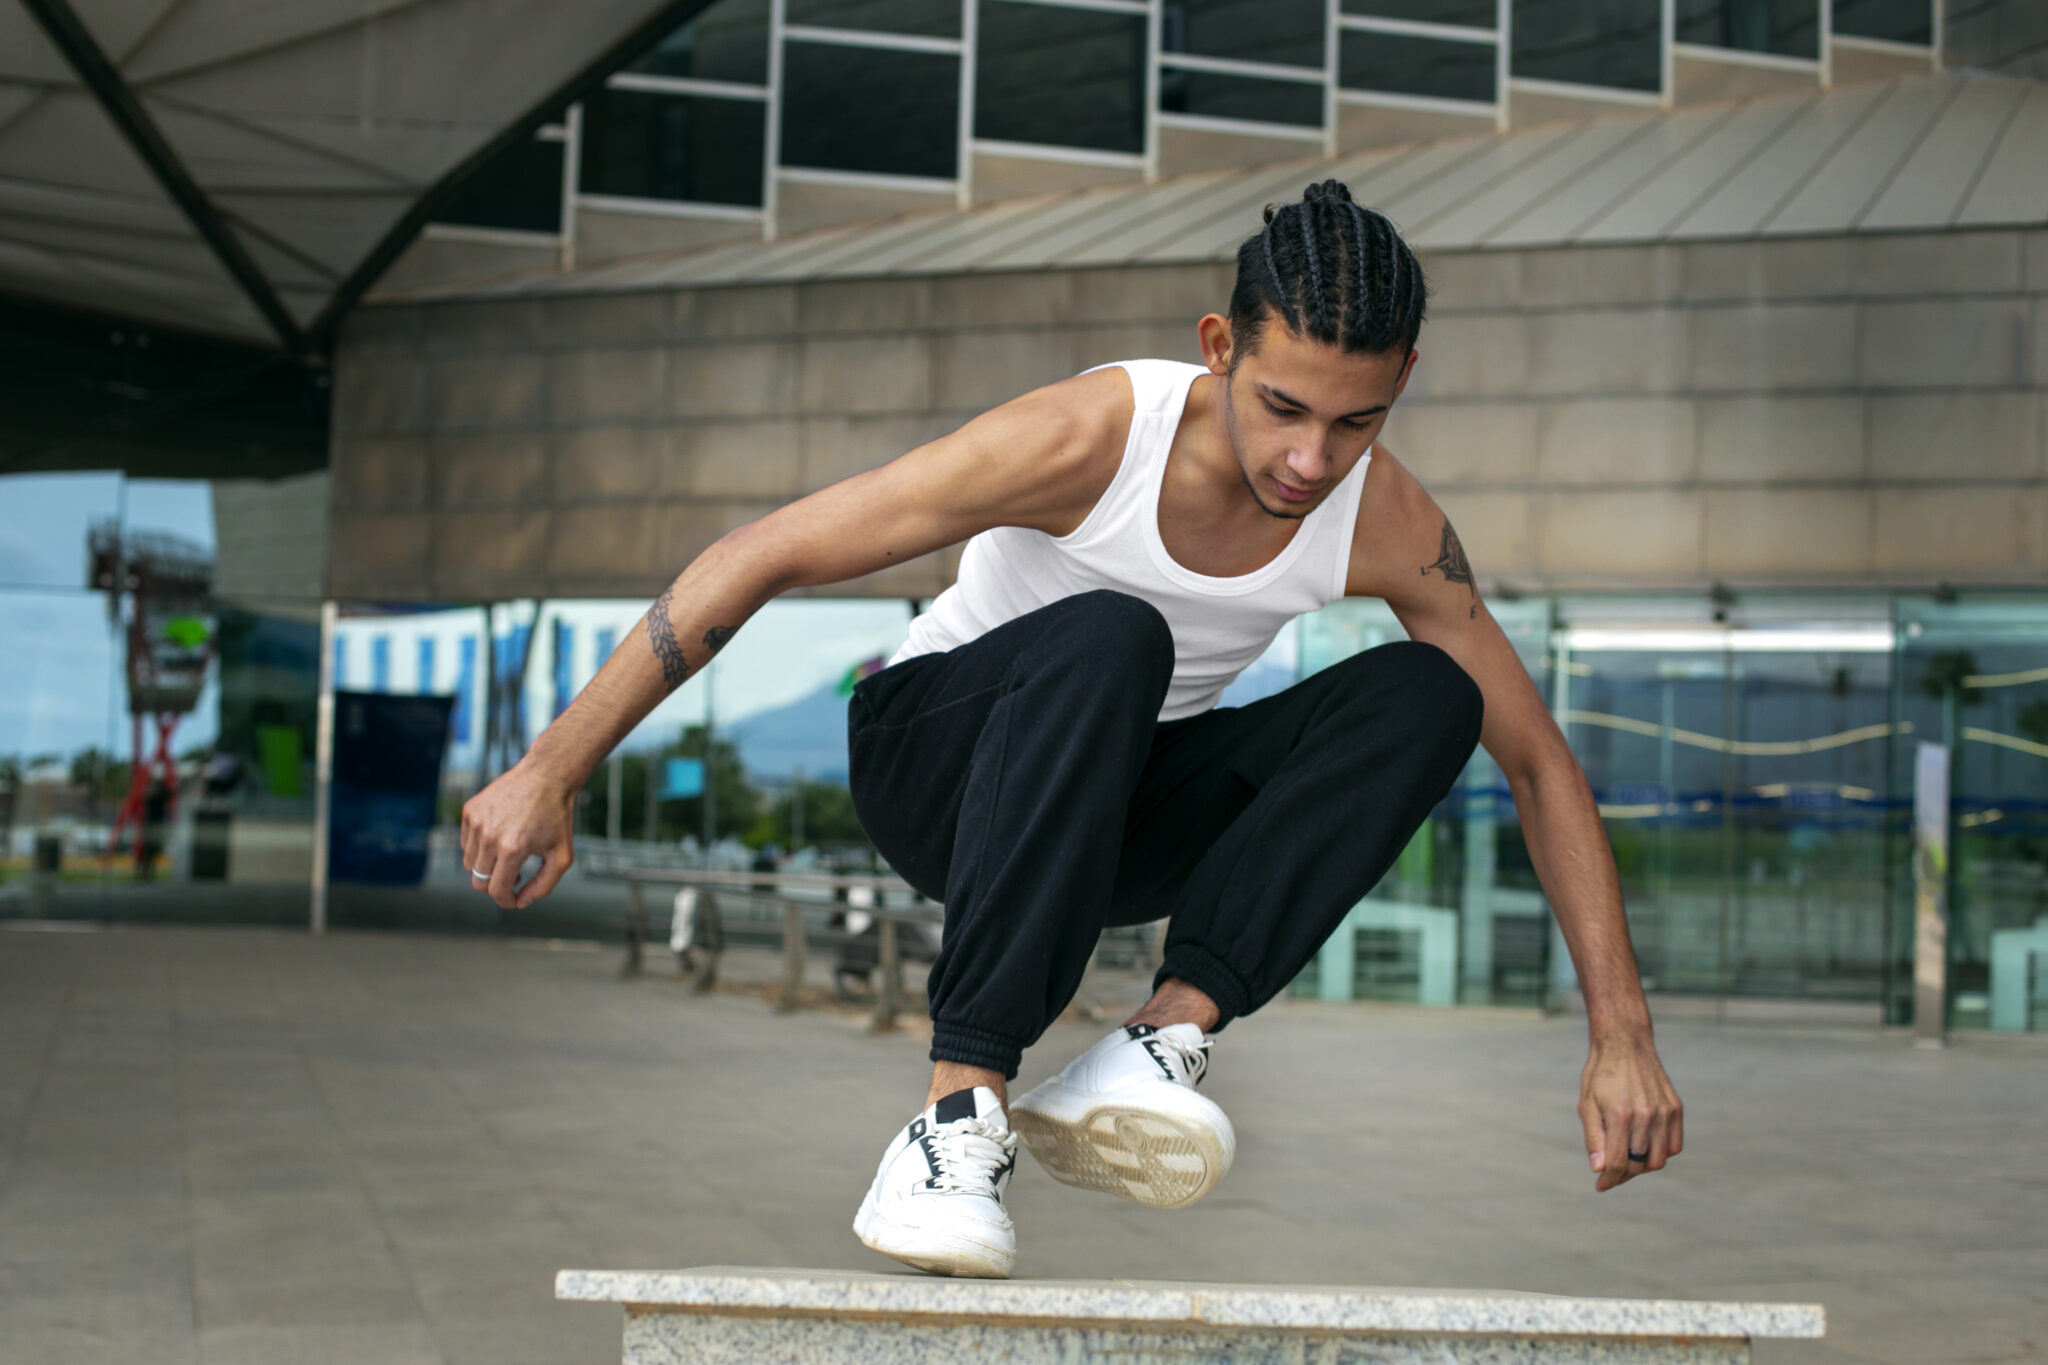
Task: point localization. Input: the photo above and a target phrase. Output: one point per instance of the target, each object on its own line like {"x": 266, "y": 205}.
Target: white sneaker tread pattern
{"x": 1133, "y": 1151}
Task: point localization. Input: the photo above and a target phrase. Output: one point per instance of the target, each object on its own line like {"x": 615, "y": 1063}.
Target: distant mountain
{"x": 810, "y": 732}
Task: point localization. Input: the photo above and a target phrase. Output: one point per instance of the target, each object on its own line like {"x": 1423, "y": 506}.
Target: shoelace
{"x": 968, "y": 1153}
{"x": 1194, "y": 1056}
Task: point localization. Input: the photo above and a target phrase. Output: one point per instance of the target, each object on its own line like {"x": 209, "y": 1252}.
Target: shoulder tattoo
{"x": 1451, "y": 562}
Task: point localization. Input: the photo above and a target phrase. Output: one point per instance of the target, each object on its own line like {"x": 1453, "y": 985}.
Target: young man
{"x": 1045, "y": 755}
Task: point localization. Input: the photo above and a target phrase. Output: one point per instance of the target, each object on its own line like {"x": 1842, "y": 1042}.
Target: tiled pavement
{"x": 230, "y": 1146}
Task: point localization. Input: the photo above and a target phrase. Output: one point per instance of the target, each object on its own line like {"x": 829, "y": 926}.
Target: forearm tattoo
{"x": 1451, "y": 562}
{"x": 661, "y": 637}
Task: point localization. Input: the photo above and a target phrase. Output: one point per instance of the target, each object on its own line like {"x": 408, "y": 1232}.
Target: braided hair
{"x": 1334, "y": 272}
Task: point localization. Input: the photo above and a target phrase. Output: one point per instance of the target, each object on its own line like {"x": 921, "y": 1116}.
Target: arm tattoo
{"x": 1451, "y": 562}
{"x": 715, "y": 638}
{"x": 661, "y": 637}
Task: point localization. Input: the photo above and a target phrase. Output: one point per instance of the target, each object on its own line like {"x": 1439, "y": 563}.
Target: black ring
{"x": 1638, "y": 1156}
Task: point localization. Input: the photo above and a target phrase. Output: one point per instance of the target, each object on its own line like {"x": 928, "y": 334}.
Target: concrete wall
{"x": 1797, "y": 413}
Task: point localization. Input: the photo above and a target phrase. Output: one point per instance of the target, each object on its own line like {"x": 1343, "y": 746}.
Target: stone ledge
{"x": 720, "y": 1290}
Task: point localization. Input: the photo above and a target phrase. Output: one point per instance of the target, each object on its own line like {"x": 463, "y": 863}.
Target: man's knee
{"x": 1428, "y": 683}
{"x": 1117, "y": 632}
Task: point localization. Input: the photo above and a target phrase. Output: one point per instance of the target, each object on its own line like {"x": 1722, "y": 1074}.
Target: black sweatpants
{"x": 1025, "y": 780}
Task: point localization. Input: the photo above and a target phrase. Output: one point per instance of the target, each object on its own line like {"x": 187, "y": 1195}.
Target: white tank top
{"x": 1220, "y": 625}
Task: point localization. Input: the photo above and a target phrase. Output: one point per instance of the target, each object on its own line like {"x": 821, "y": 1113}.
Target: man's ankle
{"x": 1176, "y": 1002}
{"x": 948, "y": 1077}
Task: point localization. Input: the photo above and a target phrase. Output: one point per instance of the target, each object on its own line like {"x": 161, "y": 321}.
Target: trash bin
{"x": 49, "y": 854}
{"x": 210, "y": 845}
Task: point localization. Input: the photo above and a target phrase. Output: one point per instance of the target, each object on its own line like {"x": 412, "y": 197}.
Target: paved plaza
{"x": 235, "y": 1146}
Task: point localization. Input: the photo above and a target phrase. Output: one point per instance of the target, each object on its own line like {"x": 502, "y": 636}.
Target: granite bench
{"x": 717, "y": 1314}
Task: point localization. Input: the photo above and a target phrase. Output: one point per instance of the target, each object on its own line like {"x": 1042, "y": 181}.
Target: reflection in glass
{"x": 1465, "y": 13}
{"x": 519, "y": 190}
{"x": 1789, "y": 28}
{"x": 870, "y": 109}
{"x": 1975, "y": 677}
{"x": 923, "y": 18}
{"x": 1745, "y": 800}
{"x": 1402, "y": 65}
{"x": 693, "y": 148}
{"x": 1060, "y": 76}
{"x": 727, "y": 41}
{"x": 1211, "y": 95}
{"x": 1613, "y": 43}
{"x": 1286, "y": 32}
{"x": 1460, "y": 916}
{"x": 146, "y": 643}
{"x": 1898, "y": 21}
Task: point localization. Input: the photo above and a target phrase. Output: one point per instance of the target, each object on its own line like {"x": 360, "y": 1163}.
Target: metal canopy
{"x": 247, "y": 170}
{"x": 1921, "y": 154}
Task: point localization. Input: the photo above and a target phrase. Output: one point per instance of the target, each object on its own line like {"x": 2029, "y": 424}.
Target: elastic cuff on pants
{"x": 974, "y": 1047}
{"x": 1210, "y": 975}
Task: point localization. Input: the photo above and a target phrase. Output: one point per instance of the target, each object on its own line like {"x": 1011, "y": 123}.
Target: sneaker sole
{"x": 1143, "y": 1153}
{"x": 958, "y": 1257}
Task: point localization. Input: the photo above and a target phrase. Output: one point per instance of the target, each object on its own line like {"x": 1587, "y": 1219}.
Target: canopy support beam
{"x": 120, "y": 104}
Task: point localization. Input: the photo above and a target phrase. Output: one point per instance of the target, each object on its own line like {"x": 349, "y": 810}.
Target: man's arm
{"x": 1039, "y": 461}
{"x": 1406, "y": 552}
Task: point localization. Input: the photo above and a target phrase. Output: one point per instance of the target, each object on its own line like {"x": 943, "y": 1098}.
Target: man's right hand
{"x": 523, "y": 813}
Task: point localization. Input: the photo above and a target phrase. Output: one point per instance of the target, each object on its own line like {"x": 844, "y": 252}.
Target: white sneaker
{"x": 1124, "y": 1118}
{"x": 937, "y": 1200}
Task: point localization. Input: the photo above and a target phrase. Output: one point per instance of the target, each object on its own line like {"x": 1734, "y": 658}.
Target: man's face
{"x": 1301, "y": 413}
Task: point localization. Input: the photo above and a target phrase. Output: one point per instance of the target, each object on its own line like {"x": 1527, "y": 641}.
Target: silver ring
{"x": 479, "y": 876}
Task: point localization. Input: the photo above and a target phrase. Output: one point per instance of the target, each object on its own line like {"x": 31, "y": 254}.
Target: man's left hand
{"x": 1633, "y": 1118}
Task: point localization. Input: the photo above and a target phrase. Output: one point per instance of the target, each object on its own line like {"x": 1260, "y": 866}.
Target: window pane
{"x": 1902, "y": 21}
{"x": 520, "y": 189}
{"x": 1589, "y": 42}
{"x": 868, "y": 109}
{"x": 1240, "y": 97}
{"x": 1289, "y": 32}
{"x": 1471, "y": 13}
{"x": 727, "y": 42}
{"x": 1789, "y": 28}
{"x": 927, "y": 18}
{"x": 1416, "y": 66}
{"x": 681, "y": 147}
{"x": 1060, "y": 76}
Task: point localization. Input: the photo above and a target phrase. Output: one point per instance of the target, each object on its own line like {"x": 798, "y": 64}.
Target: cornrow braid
{"x": 1313, "y": 301}
{"x": 1344, "y": 279}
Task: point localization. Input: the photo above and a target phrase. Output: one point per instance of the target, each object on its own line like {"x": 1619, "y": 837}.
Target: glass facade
{"x": 1248, "y": 99}
{"x": 1894, "y": 21}
{"x": 156, "y": 703}
{"x": 920, "y": 18}
{"x": 645, "y": 144}
{"x": 1755, "y": 777}
{"x": 520, "y": 191}
{"x": 881, "y": 110}
{"x": 1753, "y": 762}
{"x": 874, "y": 87}
{"x": 1467, "y": 13}
{"x": 1786, "y": 28}
{"x": 727, "y": 42}
{"x": 1402, "y": 64}
{"x": 1280, "y": 32}
{"x": 1060, "y": 76}
{"x": 1612, "y": 43}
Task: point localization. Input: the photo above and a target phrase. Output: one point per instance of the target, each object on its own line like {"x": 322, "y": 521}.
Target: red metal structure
{"x": 161, "y": 587}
